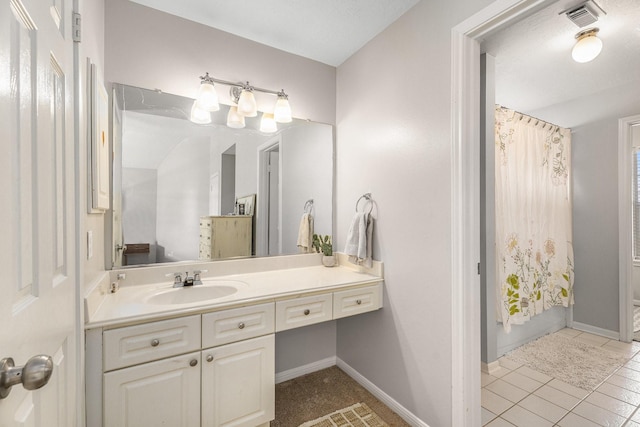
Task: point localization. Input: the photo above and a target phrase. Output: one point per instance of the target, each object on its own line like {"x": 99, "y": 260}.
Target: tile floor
{"x": 516, "y": 395}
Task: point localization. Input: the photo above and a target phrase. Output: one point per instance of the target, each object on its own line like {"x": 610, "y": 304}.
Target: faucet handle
{"x": 196, "y": 276}
{"x": 177, "y": 279}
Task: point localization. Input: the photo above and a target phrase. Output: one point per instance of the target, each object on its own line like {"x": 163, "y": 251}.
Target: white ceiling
{"x": 535, "y": 72}
{"x": 328, "y": 31}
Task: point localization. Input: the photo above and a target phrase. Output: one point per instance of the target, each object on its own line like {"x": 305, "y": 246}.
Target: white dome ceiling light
{"x": 588, "y": 46}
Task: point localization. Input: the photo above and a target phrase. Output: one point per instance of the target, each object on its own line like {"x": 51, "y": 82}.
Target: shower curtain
{"x": 533, "y": 217}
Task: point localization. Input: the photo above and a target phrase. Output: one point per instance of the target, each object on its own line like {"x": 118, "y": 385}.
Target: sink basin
{"x": 191, "y": 294}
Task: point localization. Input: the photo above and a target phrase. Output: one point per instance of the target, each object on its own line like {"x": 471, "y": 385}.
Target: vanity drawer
{"x": 150, "y": 341}
{"x": 356, "y": 301}
{"x": 226, "y": 326}
{"x": 294, "y": 313}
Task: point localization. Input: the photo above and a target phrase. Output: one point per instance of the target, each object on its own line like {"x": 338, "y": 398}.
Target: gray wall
{"x": 595, "y": 223}
{"x": 139, "y": 199}
{"x": 394, "y": 140}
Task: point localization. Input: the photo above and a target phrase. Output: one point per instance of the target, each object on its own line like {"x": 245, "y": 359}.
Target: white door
{"x": 162, "y": 393}
{"x": 238, "y": 383}
{"x": 37, "y": 222}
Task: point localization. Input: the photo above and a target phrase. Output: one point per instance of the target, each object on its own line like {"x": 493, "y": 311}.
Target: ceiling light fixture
{"x": 588, "y": 46}
{"x": 243, "y": 96}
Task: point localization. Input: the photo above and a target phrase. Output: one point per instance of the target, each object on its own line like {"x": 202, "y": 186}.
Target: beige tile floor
{"x": 516, "y": 395}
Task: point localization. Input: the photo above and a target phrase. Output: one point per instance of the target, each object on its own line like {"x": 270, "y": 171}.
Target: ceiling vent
{"x": 584, "y": 14}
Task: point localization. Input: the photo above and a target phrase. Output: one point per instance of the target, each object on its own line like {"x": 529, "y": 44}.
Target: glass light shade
{"x": 198, "y": 115}
{"x": 207, "y": 97}
{"x": 282, "y": 111}
{"x": 235, "y": 120}
{"x": 268, "y": 124}
{"x": 247, "y": 104}
{"x": 587, "y": 48}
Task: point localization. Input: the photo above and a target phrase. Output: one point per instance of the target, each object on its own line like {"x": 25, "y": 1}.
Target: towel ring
{"x": 367, "y": 197}
{"x": 308, "y": 205}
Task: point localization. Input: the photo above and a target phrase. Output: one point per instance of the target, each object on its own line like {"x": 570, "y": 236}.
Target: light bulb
{"x": 247, "y": 104}
{"x": 588, "y": 46}
{"x": 268, "y": 124}
{"x": 282, "y": 111}
{"x": 207, "y": 96}
{"x": 198, "y": 115}
{"x": 235, "y": 120}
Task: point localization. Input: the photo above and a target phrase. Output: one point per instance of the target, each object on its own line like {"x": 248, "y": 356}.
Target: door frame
{"x": 625, "y": 225}
{"x": 262, "y": 203}
{"x": 465, "y": 200}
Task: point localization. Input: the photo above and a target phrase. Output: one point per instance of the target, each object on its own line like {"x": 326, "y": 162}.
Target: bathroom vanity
{"x": 205, "y": 355}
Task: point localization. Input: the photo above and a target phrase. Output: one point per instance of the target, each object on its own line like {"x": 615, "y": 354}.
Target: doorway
{"x": 269, "y": 200}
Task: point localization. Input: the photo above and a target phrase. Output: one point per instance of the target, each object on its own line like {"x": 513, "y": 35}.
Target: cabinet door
{"x": 162, "y": 393}
{"x": 238, "y": 383}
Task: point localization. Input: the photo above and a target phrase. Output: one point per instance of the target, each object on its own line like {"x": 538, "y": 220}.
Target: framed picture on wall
{"x": 98, "y": 136}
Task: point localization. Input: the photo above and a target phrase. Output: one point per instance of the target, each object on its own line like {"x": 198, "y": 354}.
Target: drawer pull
{"x": 306, "y": 312}
{"x": 193, "y": 362}
{"x": 358, "y": 301}
{"x": 241, "y": 325}
{"x": 210, "y": 358}
{"x": 155, "y": 342}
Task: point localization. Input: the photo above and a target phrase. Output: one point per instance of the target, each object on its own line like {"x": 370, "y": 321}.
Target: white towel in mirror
{"x": 305, "y": 234}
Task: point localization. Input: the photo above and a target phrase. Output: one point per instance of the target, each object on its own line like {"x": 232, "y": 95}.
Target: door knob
{"x": 33, "y": 375}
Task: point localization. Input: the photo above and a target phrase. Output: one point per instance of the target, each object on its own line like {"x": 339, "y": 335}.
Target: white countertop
{"x": 127, "y": 304}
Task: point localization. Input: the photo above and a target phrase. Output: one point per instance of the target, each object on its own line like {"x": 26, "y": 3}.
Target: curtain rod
{"x": 538, "y": 121}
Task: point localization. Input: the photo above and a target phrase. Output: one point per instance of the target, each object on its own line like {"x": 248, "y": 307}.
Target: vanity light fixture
{"x": 588, "y": 46}
{"x": 246, "y": 106}
{"x": 235, "y": 120}
{"x": 207, "y": 97}
{"x": 199, "y": 115}
{"x": 282, "y": 112}
{"x": 247, "y": 103}
{"x": 268, "y": 123}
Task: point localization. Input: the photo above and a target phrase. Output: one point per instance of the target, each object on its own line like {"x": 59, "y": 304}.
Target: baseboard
{"x": 305, "y": 369}
{"x": 490, "y": 368}
{"x": 396, "y": 407}
{"x": 597, "y": 331}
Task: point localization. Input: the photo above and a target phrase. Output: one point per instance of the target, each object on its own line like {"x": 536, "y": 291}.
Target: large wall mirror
{"x": 184, "y": 192}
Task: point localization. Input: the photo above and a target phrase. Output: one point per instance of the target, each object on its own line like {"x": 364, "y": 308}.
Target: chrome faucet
{"x": 178, "y": 282}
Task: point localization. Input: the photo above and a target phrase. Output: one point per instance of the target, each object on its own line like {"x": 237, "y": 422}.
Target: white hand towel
{"x": 305, "y": 234}
{"x": 359, "y": 240}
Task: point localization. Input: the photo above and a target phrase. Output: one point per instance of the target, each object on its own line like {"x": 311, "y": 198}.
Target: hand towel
{"x": 305, "y": 234}
{"x": 359, "y": 240}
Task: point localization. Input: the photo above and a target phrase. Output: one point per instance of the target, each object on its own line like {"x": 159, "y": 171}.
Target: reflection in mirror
{"x": 184, "y": 192}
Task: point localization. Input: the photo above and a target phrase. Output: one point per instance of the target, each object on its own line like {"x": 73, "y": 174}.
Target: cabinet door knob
{"x": 306, "y": 312}
{"x": 358, "y": 301}
{"x": 241, "y": 325}
{"x": 210, "y": 358}
{"x": 155, "y": 342}
{"x": 193, "y": 362}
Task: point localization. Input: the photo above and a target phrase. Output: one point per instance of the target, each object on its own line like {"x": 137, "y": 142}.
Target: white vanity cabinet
{"x": 161, "y": 393}
{"x": 151, "y": 376}
{"x": 238, "y": 383}
{"x": 209, "y": 368}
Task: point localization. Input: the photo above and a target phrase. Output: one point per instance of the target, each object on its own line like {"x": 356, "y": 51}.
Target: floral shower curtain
{"x": 534, "y": 249}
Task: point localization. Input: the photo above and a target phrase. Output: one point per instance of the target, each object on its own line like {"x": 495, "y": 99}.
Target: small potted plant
{"x": 323, "y": 244}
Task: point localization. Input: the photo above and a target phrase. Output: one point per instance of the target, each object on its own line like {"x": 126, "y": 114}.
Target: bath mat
{"x": 358, "y": 415}
{"x": 574, "y": 362}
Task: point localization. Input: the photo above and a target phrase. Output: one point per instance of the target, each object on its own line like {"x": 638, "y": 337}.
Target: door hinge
{"x": 76, "y": 27}
{"x": 478, "y": 268}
